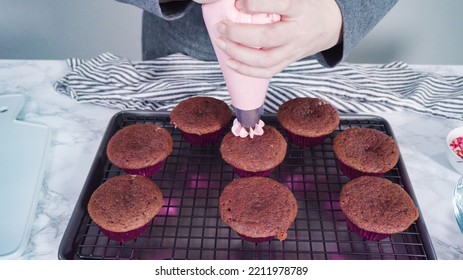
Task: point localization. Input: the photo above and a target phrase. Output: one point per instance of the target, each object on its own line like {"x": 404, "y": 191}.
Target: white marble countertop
{"x": 77, "y": 129}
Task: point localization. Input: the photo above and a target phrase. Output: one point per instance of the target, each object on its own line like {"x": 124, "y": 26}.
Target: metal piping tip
{"x": 249, "y": 118}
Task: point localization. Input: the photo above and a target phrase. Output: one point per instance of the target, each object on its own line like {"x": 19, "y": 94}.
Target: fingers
{"x": 261, "y": 63}
{"x": 259, "y": 50}
{"x": 258, "y": 35}
{"x": 263, "y": 50}
{"x": 281, "y": 7}
{"x": 264, "y": 73}
{"x": 252, "y": 56}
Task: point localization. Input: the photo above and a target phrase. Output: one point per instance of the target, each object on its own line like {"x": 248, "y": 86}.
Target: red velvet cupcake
{"x": 376, "y": 208}
{"x": 124, "y": 206}
{"x": 257, "y": 156}
{"x": 365, "y": 152}
{"x": 307, "y": 121}
{"x": 201, "y": 119}
{"x": 140, "y": 149}
{"x": 258, "y": 208}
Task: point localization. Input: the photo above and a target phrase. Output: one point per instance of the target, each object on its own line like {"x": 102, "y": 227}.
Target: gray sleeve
{"x": 168, "y": 11}
{"x": 359, "y": 17}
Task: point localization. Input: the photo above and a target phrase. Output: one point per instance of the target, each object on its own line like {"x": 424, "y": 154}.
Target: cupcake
{"x": 376, "y": 208}
{"x": 201, "y": 119}
{"x": 365, "y": 152}
{"x": 140, "y": 149}
{"x": 257, "y": 156}
{"x": 307, "y": 121}
{"x": 258, "y": 208}
{"x": 124, "y": 206}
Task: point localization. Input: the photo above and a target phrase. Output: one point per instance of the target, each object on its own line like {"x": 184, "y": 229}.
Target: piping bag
{"x": 247, "y": 93}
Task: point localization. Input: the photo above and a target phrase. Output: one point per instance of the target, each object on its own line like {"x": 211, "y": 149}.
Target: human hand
{"x": 306, "y": 27}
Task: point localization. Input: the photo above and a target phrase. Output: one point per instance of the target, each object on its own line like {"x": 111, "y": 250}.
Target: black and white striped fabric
{"x": 115, "y": 82}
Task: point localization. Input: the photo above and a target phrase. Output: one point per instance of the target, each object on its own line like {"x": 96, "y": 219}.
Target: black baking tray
{"x": 189, "y": 225}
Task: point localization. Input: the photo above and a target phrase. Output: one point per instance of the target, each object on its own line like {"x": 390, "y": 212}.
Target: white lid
{"x": 22, "y": 152}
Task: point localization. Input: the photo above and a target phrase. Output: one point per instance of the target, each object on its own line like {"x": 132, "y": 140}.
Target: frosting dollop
{"x": 240, "y": 131}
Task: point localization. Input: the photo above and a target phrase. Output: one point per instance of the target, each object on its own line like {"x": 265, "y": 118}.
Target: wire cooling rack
{"x": 189, "y": 224}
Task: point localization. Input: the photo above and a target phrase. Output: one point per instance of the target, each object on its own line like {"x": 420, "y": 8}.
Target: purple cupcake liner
{"x": 243, "y": 174}
{"x": 125, "y": 236}
{"x": 352, "y": 173}
{"x": 365, "y": 234}
{"x": 256, "y": 239}
{"x": 147, "y": 171}
{"x": 304, "y": 142}
{"x": 203, "y": 139}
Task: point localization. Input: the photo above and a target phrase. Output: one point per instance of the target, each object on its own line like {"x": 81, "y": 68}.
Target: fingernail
{"x": 221, "y": 28}
{"x": 239, "y": 4}
{"x": 232, "y": 64}
{"x": 220, "y": 43}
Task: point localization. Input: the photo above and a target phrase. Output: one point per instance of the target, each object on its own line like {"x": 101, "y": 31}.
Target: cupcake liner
{"x": 365, "y": 234}
{"x": 125, "y": 236}
{"x": 203, "y": 139}
{"x": 304, "y": 142}
{"x": 352, "y": 173}
{"x": 256, "y": 239}
{"x": 243, "y": 173}
{"x": 147, "y": 171}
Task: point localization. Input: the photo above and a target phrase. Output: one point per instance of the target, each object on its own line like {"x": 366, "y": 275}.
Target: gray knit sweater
{"x": 178, "y": 27}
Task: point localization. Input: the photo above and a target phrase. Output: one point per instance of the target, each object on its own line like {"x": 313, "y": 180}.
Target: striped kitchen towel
{"x": 116, "y": 82}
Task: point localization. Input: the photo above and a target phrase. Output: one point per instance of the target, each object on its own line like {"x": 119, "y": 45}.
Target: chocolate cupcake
{"x": 257, "y": 156}
{"x": 375, "y": 207}
{"x": 201, "y": 119}
{"x": 307, "y": 121}
{"x": 258, "y": 208}
{"x": 140, "y": 149}
{"x": 365, "y": 152}
{"x": 124, "y": 206}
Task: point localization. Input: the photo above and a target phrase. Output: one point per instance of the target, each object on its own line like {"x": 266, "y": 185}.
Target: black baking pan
{"x": 189, "y": 224}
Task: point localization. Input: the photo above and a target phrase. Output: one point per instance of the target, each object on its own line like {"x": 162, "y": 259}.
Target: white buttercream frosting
{"x": 242, "y": 132}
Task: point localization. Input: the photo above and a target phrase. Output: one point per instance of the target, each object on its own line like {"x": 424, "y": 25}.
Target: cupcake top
{"x": 139, "y": 146}
{"x": 125, "y": 203}
{"x": 308, "y": 117}
{"x": 258, "y": 207}
{"x": 366, "y": 150}
{"x": 377, "y": 205}
{"x": 200, "y": 115}
{"x": 254, "y": 154}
